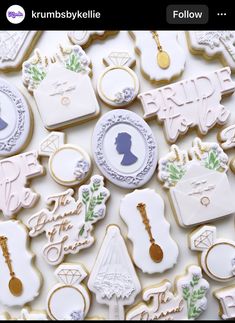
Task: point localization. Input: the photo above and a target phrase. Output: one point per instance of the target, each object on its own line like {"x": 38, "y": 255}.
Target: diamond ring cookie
{"x": 204, "y": 240}
{"x": 61, "y": 87}
{"x": 16, "y": 120}
{"x": 160, "y": 303}
{"x": 19, "y": 279}
{"x": 213, "y": 44}
{"x": 69, "y": 299}
{"x": 161, "y": 56}
{"x": 14, "y": 46}
{"x": 190, "y": 103}
{"x": 113, "y": 278}
{"x": 154, "y": 250}
{"x": 68, "y": 222}
{"x": 124, "y": 148}
{"x": 199, "y": 188}
{"x": 118, "y": 85}
{"x": 76, "y": 161}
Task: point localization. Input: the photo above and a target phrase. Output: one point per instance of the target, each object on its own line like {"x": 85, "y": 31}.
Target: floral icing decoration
{"x": 126, "y": 95}
{"x": 81, "y": 169}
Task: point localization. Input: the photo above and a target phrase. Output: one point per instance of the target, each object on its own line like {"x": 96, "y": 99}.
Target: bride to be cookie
{"x": 61, "y": 87}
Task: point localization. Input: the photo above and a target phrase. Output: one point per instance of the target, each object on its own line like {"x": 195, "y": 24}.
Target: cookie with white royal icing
{"x": 20, "y": 281}
{"x": 84, "y": 38}
{"x": 118, "y": 85}
{"x": 26, "y": 314}
{"x": 214, "y": 44}
{"x": 69, "y": 299}
{"x": 204, "y": 240}
{"x": 68, "y": 222}
{"x": 226, "y": 298}
{"x": 124, "y": 148}
{"x": 190, "y": 103}
{"x": 113, "y": 278}
{"x": 154, "y": 250}
{"x": 14, "y": 46}
{"x": 15, "y": 173}
{"x": 16, "y": 121}
{"x": 162, "y": 58}
{"x": 61, "y": 86}
{"x": 160, "y": 303}
{"x": 199, "y": 188}
{"x": 77, "y": 161}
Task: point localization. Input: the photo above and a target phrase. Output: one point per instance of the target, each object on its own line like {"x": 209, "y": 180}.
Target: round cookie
{"x": 16, "y": 120}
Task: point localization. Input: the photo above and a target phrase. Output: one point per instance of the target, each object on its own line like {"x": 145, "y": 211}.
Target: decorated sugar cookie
{"x": 69, "y": 299}
{"x": 154, "y": 251}
{"x": 118, "y": 85}
{"x": 161, "y": 56}
{"x": 204, "y": 240}
{"x": 67, "y": 222}
{"x": 15, "y": 172}
{"x": 14, "y": 46}
{"x": 61, "y": 86}
{"x": 124, "y": 148}
{"x": 214, "y": 44}
{"x": 199, "y": 188}
{"x": 190, "y": 103}
{"x": 84, "y": 38}
{"x": 25, "y": 315}
{"x": 76, "y": 162}
{"x": 20, "y": 281}
{"x": 227, "y": 137}
{"x": 226, "y": 298}
{"x": 160, "y": 303}
{"x": 113, "y": 278}
{"x": 15, "y": 120}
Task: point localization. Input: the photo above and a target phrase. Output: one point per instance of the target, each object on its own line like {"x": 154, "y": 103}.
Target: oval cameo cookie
{"x": 15, "y": 120}
{"x": 118, "y": 85}
{"x": 124, "y": 148}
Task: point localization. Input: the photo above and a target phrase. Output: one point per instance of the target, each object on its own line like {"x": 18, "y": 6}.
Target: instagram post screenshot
{"x": 117, "y": 161}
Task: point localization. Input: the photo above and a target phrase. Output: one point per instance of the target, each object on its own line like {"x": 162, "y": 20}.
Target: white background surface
{"x": 81, "y": 135}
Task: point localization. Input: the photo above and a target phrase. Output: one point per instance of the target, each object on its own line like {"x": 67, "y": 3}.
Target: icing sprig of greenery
{"x": 194, "y": 296}
{"x": 173, "y": 167}
{"x": 210, "y": 155}
{"x": 37, "y": 74}
{"x": 93, "y": 199}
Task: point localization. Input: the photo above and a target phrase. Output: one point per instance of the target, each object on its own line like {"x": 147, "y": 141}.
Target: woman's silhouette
{"x": 123, "y": 146}
{"x": 3, "y": 124}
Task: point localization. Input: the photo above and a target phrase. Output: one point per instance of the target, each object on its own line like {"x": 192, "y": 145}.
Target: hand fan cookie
{"x": 118, "y": 85}
{"x": 16, "y": 121}
{"x": 160, "y": 303}
{"x": 213, "y": 44}
{"x": 69, "y": 299}
{"x": 77, "y": 161}
{"x": 161, "y": 56}
{"x": 113, "y": 278}
{"x": 68, "y": 222}
{"x": 20, "y": 281}
{"x": 154, "y": 250}
{"x": 204, "y": 240}
{"x": 190, "y": 103}
{"x": 61, "y": 87}
{"x": 15, "y": 172}
{"x": 199, "y": 188}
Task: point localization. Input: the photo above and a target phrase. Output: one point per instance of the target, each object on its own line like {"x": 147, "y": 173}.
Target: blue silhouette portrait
{"x": 123, "y": 146}
{"x": 3, "y": 124}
